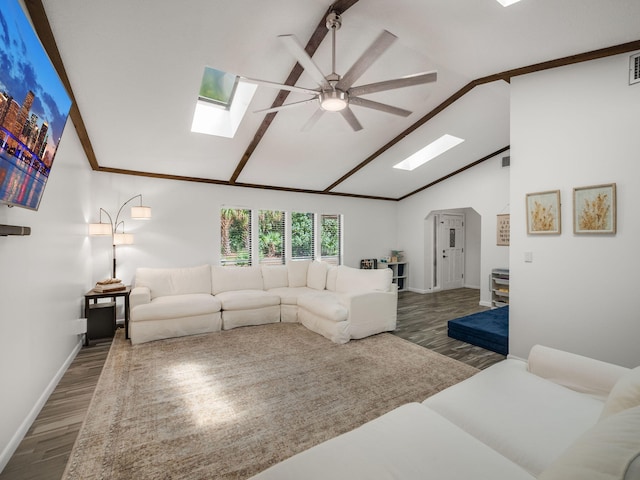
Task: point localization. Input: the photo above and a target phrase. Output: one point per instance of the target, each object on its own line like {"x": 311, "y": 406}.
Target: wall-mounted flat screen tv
{"x": 34, "y": 106}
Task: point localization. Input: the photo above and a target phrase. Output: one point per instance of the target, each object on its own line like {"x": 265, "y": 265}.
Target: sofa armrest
{"x": 582, "y": 374}
{"x": 139, "y": 296}
{"x": 371, "y": 312}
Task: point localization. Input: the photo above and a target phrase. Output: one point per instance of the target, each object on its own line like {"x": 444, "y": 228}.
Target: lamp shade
{"x": 100, "y": 229}
{"x": 141, "y": 212}
{"x": 123, "y": 239}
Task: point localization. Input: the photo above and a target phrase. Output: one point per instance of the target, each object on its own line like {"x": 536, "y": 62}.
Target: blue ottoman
{"x": 488, "y": 329}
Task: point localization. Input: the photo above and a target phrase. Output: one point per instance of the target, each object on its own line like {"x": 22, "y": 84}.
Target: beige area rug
{"x": 228, "y": 405}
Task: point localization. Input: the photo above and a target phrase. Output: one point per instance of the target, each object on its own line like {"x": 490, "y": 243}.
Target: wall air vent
{"x": 506, "y": 161}
{"x": 634, "y": 69}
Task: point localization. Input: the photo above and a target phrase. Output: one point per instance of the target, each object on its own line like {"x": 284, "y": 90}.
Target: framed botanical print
{"x": 594, "y": 209}
{"x": 543, "y": 212}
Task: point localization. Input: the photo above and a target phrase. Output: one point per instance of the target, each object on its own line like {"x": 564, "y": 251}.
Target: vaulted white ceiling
{"x": 135, "y": 69}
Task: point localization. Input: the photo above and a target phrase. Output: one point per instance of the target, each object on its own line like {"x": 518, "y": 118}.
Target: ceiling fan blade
{"x": 303, "y": 58}
{"x": 371, "y": 54}
{"x": 312, "y": 120}
{"x": 288, "y": 105}
{"x": 417, "y": 79}
{"x": 383, "y": 107}
{"x": 280, "y": 86}
{"x": 351, "y": 119}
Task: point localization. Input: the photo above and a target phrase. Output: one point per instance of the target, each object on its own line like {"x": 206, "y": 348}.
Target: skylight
{"x": 431, "y": 151}
{"x": 222, "y": 102}
{"x": 506, "y": 3}
{"x": 218, "y": 87}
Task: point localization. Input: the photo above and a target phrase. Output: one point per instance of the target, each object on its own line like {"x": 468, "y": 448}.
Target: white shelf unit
{"x": 499, "y": 287}
{"x": 400, "y": 274}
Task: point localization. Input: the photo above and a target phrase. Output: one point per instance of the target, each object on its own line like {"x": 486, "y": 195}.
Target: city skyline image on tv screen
{"x": 34, "y": 106}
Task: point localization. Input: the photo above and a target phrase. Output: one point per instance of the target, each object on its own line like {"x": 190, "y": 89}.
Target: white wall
{"x": 570, "y": 127}
{"x": 185, "y": 228}
{"x": 485, "y": 189}
{"x": 42, "y": 281}
{"x": 45, "y": 275}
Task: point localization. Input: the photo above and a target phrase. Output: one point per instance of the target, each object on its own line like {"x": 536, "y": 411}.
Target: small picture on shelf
{"x": 369, "y": 263}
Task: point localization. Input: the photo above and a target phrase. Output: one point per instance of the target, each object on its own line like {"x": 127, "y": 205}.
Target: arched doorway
{"x": 452, "y": 249}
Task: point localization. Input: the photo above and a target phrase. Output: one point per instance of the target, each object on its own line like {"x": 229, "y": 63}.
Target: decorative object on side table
{"x": 594, "y": 209}
{"x": 109, "y": 285}
{"x": 139, "y": 212}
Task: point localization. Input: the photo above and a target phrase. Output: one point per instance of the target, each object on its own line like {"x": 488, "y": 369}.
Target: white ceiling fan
{"x": 336, "y": 93}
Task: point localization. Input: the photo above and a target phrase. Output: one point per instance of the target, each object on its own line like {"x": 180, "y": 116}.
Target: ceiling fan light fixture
{"x": 333, "y": 100}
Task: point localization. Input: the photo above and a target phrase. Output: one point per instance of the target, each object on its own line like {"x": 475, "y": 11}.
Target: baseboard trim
{"x": 17, "y": 437}
{"x": 484, "y": 303}
{"x": 416, "y": 290}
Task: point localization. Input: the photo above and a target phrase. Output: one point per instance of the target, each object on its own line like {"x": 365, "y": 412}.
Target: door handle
{"x": 444, "y": 256}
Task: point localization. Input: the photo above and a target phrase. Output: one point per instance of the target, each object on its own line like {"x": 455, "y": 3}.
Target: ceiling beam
{"x": 41, "y": 24}
{"x": 314, "y": 42}
{"x": 183, "y": 178}
{"x": 43, "y": 29}
{"x": 506, "y": 76}
{"x": 460, "y": 170}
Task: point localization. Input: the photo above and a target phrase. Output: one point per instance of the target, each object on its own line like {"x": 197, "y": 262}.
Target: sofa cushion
{"x": 247, "y": 299}
{"x": 225, "y": 279}
{"x": 174, "y": 281}
{"x": 332, "y": 275}
{"x": 275, "y": 276}
{"x": 526, "y": 418}
{"x": 317, "y": 275}
{"x": 298, "y": 272}
{"x": 176, "y": 306}
{"x": 289, "y": 296}
{"x": 356, "y": 280}
{"x": 624, "y": 394}
{"x": 410, "y": 442}
{"x": 605, "y": 452}
{"x": 324, "y": 304}
{"x": 582, "y": 374}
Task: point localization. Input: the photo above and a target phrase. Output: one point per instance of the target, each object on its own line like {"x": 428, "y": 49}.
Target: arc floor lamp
{"x": 102, "y": 228}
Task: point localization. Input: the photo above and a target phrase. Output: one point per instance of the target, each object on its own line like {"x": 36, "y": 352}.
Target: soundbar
{"x": 14, "y": 230}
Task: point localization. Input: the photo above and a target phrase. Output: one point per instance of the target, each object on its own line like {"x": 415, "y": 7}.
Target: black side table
{"x": 93, "y": 295}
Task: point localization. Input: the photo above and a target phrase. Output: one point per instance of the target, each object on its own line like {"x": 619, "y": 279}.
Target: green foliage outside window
{"x": 330, "y": 238}
{"x": 271, "y": 236}
{"x": 302, "y": 235}
{"x": 235, "y": 236}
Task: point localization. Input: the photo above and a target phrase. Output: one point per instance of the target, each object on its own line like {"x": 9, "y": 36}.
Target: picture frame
{"x": 594, "y": 209}
{"x": 503, "y": 229}
{"x": 543, "y": 213}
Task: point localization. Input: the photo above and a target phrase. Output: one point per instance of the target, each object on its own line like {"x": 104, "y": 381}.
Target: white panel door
{"x": 451, "y": 249}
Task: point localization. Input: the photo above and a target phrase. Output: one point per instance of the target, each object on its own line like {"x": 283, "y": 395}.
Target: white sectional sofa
{"x": 558, "y": 416}
{"x": 341, "y": 303}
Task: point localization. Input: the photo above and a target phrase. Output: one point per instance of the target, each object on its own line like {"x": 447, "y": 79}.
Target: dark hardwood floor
{"x": 43, "y": 453}
{"x": 422, "y": 319}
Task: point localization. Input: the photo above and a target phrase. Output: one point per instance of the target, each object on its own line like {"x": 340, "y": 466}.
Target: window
{"x": 331, "y": 239}
{"x": 235, "y": 236}
{"x": 275, "y": 237}
{"x": 302, "y": 236}
{"x": 271, "y": 237}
